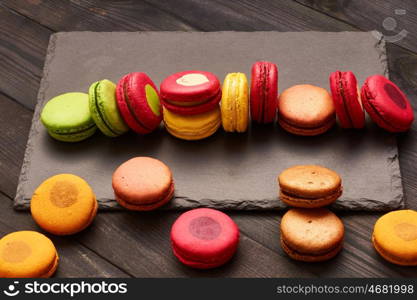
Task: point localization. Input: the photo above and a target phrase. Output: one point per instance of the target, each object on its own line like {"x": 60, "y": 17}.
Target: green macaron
{"x": 67, "y": 117}
{"x": 103, "y": 108}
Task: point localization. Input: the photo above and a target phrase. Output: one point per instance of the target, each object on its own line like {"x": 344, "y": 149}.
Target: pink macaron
{"x": 346, "y": 99}
{"x": 264, "y": 92}
{"x": 386, "y": 104}
{"x": 139, "y": 102}
{"x": 204, "y": 238}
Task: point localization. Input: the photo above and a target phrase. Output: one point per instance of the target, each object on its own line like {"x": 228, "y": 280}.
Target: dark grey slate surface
{"x": 226, "y": 171}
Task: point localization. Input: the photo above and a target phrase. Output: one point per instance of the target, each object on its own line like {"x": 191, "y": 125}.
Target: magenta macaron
{"x": 386, "y": 104}
{"x": 204, "y": 238}
{"x": 264, "y": 92}
{"x": 139, "y": 102}
{"x": 346, "y": 99}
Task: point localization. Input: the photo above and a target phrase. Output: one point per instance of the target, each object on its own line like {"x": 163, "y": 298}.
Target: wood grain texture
{"x": 23, "y": 44}
{"x": 125, "y": 243}
{"x": 373, "y": 15}
{"x": 15, "y": 123}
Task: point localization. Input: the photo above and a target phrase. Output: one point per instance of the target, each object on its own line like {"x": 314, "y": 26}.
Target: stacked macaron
{"x": 383, "y": 100}
{"x": 310, "y": 232}
{"x": 190, "y": 102}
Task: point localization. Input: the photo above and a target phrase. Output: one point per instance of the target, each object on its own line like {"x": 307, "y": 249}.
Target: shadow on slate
{"x": 225, "y": 171}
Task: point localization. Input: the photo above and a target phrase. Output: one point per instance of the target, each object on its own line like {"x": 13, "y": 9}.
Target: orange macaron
{"x": 311, "y": 235}
{"x": 143, "y": 183}
{"x": 309, "y": 186}
{"x": 27, "y": 254}
{"x": 64, "y": 204}
{"x": 306, "y": 110}
{"x": 395, "y": 237}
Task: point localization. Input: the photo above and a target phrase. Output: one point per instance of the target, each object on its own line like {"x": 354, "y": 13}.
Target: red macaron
{"x": 139, "y": 102}
{"x": 190, "y": 92}
{"x": 386, "y": 104}
{"x": 346, "y": 99}
{"x": 204, "y": 238}
{"x": 264, "y": 92}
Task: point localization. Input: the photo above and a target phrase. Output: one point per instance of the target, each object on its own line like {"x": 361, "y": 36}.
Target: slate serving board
{"x": 226, "y": 171}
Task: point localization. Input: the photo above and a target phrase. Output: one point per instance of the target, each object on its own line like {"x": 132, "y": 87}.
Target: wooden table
{"x": 127, "y": 244}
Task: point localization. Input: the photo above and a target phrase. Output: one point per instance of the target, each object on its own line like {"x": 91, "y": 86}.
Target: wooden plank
{"x": 98, "y": 15}
{"x": 141, "y": 246}
{"x": 14, "y": 129}
{"x": 357, "y": 259}
{"x": 175, "y": 15}
{"x": 75, "y": 260}
{"x": 23, "y": 45}
{"x": 389, "y": 17}
{"x": 403, "y": 67}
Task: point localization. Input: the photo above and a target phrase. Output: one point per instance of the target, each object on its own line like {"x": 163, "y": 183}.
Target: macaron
{"x": 27, "y": 254}
{"x": 63, "y": 204}
{"x": 395, "y": 237}
{"x": 190, "y": 92}
{"x": 139, "y": 102}
{"x": 143, "y": 183}
{"x": 193, "y": 127}
{"x": 347, "y": 100}
{"x": 306, "y": 110}
{"x": 309, "y": 186}
{"x": 67, "y": 117}
{"x": 264, "y": 92}
{"x": 204, "y": 238}
{"x": 104, "y": 110}
{"x": 311, "y": 235}
{"x": 235, "y": 103}
{"x": 386, "y": 104}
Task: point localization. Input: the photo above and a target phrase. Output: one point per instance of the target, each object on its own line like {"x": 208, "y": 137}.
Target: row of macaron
{"x": 201, "y": 238}
{"x": 188, "y": 103}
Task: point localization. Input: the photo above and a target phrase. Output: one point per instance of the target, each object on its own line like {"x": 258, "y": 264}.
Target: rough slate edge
{"x": 181, "y": 203}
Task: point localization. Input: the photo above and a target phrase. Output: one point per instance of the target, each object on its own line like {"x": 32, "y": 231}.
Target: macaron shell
{"x": 142, "y": 181}
{"x": 311, "y": 231}
{"x": 235, "y": 103}
{"x": 67, "y": 113}
{"x": 177, "y": 87}
{"x": 67, "y": 117}
{"x": 310, "y": 258}
{"x": 75, "y": 136}
{"x": 306, "y": 106}
{"x": 395, "y": 237}
{"x": 194, "y": 127}
{"x": 204, "y": 236}
{"x": 295, "y": 201}
{"x": 264, "y": 92}
{"x": 192, "y": 108}
{"x": 27, "y": 254}
{"x": 104, "y": 110}
{"x": 386, "y": 104}
{"x": 347, "y": 100}
{"x": 306, "y": 131}
{"x": 132, "y": 101}
{"x": 63, "y": 204}
{"x": 309, "y": 181}
{"x": 164, "y": 199}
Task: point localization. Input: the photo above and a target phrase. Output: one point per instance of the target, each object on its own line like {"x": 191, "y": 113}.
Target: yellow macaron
{"x": 63, "y": 204}
{"x": 235, "y": 103}
{"x": 27, "y": 254}
{"x": 395, "y": 237}
{"x": 192, "y": 127}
